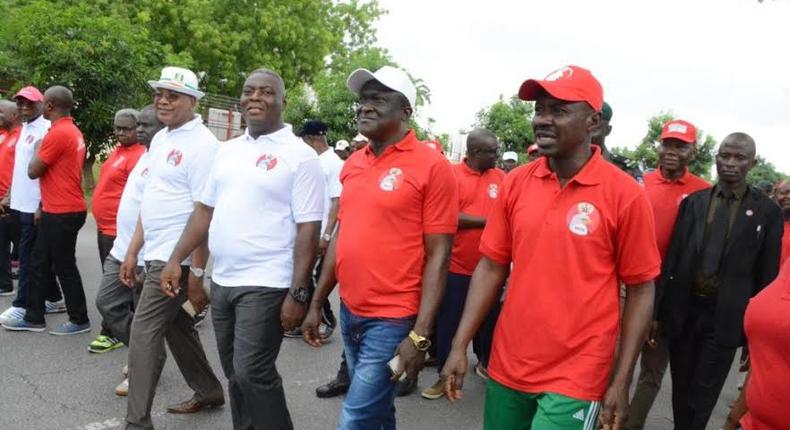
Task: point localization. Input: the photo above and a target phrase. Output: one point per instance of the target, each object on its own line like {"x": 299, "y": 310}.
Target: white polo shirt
{"x": 180, "y": 161}
{"x": 25, "y": 194}
{"x": 260, "y": 189}
{"x": 331, "y": 164}
{"x": 129, "y": 209}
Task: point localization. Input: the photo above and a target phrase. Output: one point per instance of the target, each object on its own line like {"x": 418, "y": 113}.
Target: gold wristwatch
{"x": 421, "y": 343}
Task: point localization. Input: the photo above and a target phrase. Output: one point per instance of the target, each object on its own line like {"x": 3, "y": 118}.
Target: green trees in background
{"x": 511, "y": 121}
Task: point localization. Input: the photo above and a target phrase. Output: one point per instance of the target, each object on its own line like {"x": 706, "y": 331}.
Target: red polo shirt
{"x": 477, "y": 193}
{"x": 112, "y": 178}
{"x": 387, "y": 205}
{"x": 7, "y": 149}
{"x": 665, "y": 197}
{"x": 570, "y": 247}
{"x": 767, "y": 326}
{"x": 63, "y": 151}
{"x": 785, "y": 244}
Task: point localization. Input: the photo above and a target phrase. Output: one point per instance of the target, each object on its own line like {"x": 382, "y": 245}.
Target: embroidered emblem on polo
{"x": 118, "y": 161}
{"x": 579, "y": 415}
{"x": 493, "y": 190}
{"x": 391, "y": 180}
{"x": 29, "y": 139}
{"x": 144, "y": 173}
{"x": 174, "y": 157}
{"x": 583, "y": 219}
{"x": 266, "y": 162}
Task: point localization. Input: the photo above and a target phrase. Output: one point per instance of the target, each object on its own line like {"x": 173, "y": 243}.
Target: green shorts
{"x": 508, "y": 409}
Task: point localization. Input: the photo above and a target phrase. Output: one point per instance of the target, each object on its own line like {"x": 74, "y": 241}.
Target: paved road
{"x": 50, "y": 382}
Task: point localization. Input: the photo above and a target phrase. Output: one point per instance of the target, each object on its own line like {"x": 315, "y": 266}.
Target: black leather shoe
{"x": 406, "y": 387}
{"x": 334, "y": 388}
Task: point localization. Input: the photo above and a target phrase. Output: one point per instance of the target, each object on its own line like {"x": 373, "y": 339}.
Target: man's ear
{"x": 407, "y": 113}
{"x": 593, "y": 122}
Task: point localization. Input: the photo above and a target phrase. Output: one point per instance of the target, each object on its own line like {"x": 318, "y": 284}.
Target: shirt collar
{"x": 62, "y": 119}
{"x": 285, "y": 132}
{"x": 38, "y": 122}
{"x": 469, "y": 170}
{"x": 681, "y": 180}
{"x": 405, "y": 144}
{"x": 590, "y": 174}
{"x": 738, "y": 193}
{"x": 188, "y": 126}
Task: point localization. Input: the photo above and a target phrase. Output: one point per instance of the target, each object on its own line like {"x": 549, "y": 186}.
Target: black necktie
{"x": 717, "y": 237}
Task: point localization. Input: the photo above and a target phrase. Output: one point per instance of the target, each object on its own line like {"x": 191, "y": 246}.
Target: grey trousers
{"x": 159, "y": 318}
{"x": 653, "y": 365}
{"x": 249, "y": 334}
{"x": 116, "y": 301}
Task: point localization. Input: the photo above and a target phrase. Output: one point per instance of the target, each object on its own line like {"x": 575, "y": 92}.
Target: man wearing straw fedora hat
{"x": 180, "y": 161}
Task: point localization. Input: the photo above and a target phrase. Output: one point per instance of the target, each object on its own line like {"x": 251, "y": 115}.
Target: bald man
{"x": 478, "y": 182}
{"x": 10, "y": 122}
{"x": 724, "y": 249}
{"x": 57, "y": 164}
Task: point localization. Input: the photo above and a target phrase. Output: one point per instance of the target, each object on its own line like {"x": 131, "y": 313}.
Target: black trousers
{"x": 249, "y": 334}
{"x": 55, "y": 248}
{"x": 699, "y": 366}
{"x": 105, "y": 243}
{"x": 9, "y": 235}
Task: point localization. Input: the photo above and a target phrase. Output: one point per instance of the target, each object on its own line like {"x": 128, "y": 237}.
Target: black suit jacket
{"x": 750, "y": 262}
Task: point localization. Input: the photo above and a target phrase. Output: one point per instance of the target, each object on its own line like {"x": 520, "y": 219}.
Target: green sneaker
{"x": 104, "y": 344}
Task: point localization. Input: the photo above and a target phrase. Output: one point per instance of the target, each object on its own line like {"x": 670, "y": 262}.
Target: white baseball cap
{"x": 390, "y": 77}
{"x": 510, "y": 155}
{"x": 341, "y": 145}
{"x": 179, "y": 80}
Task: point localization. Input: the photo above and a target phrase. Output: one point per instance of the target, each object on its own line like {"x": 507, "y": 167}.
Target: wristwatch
{"x": 326, "y": 236}
{"x": 421, "y": 343}
{"x": 197, "y": 271}
{"x": 300, "y": 295}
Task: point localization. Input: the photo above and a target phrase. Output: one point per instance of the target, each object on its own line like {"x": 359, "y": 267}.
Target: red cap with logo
{"x": 31, "y": 93}
{"x": 681, "y": 130}
{"x": 570, "y": 83}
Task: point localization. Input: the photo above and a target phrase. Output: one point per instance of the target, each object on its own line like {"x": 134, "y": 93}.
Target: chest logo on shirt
{"x": 391, "y": 180}
{"x": 583, "y": 219}
{"x": 174, "y": 157}
{"x": 118, "y": 162}
{"x": 29, "y": 139}
{"x": 266, "y": 162}
{"x": 144, "y": 173}
{"x": 493, "y": 190}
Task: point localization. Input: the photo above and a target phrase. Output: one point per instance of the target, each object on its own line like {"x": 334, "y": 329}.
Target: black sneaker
{"x": 333, "y": 388}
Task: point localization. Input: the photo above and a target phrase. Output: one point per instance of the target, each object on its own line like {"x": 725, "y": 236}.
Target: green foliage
{"x": 764, "y": 170}
{"x": 645, "y": 152}
{"x": 511, "y": 121}
{"x": 104, "y": 60}
{"x": 329, "y": 100}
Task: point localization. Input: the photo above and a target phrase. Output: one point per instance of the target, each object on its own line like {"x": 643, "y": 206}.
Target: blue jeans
{"x": 369, "y": 344}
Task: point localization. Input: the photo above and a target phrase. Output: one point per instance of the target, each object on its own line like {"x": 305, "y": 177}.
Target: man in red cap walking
{"x": 573, "y": 226}
{"x": 666, "y": 188}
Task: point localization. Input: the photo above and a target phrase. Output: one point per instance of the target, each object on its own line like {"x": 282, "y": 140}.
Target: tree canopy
{"x": 764, "y": 170}
{"x": 511, "y": 121}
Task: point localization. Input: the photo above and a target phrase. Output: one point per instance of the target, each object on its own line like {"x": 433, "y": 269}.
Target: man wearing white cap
{"x": 400, "y": 199}
{"x": 342, "y": 149}
{"x": 180, "y": 161}
{"x": 358, "y": 142}
{"x": 509, "y": 161}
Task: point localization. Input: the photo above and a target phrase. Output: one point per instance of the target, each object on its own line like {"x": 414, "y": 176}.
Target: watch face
{"x": 423, "y": 345}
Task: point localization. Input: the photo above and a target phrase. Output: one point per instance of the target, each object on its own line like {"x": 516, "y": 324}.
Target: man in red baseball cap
{"x": 573, "y": 228}
{"x": 666, "y": 188}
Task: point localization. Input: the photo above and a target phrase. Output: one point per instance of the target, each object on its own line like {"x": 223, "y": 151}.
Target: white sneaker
{"x": 12, "y": 313}
{"x": 123, "y": 388}
{"x": 55, "y": 307}
{"x": 125, "y": 371}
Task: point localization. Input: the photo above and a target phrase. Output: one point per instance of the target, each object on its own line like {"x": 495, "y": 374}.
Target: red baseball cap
{"x": 532, "y": 148}
{"x": 31, "y": 93}
{"x": 570, "y": 83}
{"x": 681, "y": 130}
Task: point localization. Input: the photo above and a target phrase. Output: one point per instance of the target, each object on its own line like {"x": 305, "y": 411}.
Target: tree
{"x": 645, "y": 152}
{"x": 511, "y": 121}
{"x": 104, "y": 60}
{"x": 764, "y": 170}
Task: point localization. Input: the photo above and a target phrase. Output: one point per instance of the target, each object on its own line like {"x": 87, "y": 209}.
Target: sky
{"x": 722, "y": 65}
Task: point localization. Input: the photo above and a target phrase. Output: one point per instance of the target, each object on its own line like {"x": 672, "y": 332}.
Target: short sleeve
{"x": 440, "y": 202}
{"x": 307, "y": 195}
{"x": 202, "y": 160}
{"x": 334, "y": 185}
{"x": 638, "y": 259}
{"x": 51, "y": 147}
{"x": 496, "y": 243}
